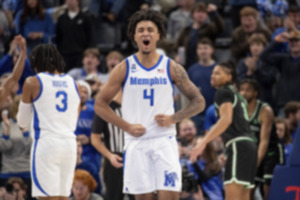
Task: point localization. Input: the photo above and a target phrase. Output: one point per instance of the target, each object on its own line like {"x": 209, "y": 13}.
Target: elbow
{"x": 200, "y": 103}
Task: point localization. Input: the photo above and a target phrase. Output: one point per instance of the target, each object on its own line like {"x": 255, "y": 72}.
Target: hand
{"x": 282, "y": 37}
{"x": 83, "y": 139}
{"x": 21, "y": 42}
{"x": 163, "y": 120}
{"x": 201, "y": 144}
{"x": 12, "y": 48}
{"x": 289, "y": 24}
{"x": 211, "y": 8}
{"x": 136, "y": 130}
{"x": 35, "y": 35}
{"x": 115, "y": 160}
{"x": 6, "y": 121}
{"x": 250, "y": 62}
{"x": 222, "y": 160}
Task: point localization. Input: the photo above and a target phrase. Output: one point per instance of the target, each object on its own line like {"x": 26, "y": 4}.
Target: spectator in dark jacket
{"x": 249, "y": 25}
{"x": 206, "y": 23}
{"x": 288, "y": 66}
{"x": 74, "y": 33}
{"x": 252, "y": 67}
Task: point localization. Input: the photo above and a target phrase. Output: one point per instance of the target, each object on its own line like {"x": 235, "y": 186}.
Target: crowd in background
{"x": 261, "y": 37}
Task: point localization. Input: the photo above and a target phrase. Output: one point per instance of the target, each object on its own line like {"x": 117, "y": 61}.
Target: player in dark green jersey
{"x": 234, "y": 128}
{"x": 261, "y": 118}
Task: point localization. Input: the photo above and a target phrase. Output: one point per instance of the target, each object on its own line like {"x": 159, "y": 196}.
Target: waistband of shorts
{"x": 238, "y": 139}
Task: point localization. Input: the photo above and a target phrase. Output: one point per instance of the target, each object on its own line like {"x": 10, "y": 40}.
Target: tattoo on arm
{"x": 197, "y": 102}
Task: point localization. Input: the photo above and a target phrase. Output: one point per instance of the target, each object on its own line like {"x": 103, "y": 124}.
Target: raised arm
{"x": 266, "y": 118}
{"x": 114, "y": 84}
{"x": 13, "y": 79}
{"x": 189, "y": 90}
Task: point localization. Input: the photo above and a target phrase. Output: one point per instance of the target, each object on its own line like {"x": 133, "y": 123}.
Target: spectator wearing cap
{"x": 291, "y": 23}
{"x": 206, "y": 23}
{"x": 90, "y": 61}
{"x": 249, "y": 25}
{"x": 84, "y": 186}
{"x": 288, "y": 66}
{"x": 84, "y": 128}
{"x": 254, "y": 68}
{"x": 74, "y": 34}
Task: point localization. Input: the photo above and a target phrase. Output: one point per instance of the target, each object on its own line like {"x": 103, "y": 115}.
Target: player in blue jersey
{"x": 151, "y": 161}
{"x": 51, "y": 99}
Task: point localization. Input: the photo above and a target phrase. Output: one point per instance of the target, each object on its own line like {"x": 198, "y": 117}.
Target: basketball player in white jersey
{"x": 151, "y": 161}
{"x": 51, "y": 99}
{"x": 8, "y": 85}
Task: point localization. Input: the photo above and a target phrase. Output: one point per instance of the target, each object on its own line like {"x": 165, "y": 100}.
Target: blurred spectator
{"x": 84, "y": 129}
{"x": 186, "y": 140}
{"x": 202, "y": 26}
{"x": 208, "y": 172}
{"x": 288, "y": 66}
{"x": 200, "y": 73}
{"x": 84, "y": 186}
{"x": 272, "y": 7}
{"x": 292, "y": 116}
{"x": 19, "y": 187}
{"x": 34, "y": 23}
{"x": 15, "y": 147}
{"x": 90, "y": 61}
{"x": 274, "y": 22}
{"x": 284, "y": 136}
{"x": 236, "y": 7}
{"x": 11, "y": 8}
{"x": 74, "y": 34}
{"x": 252, "y": 67}
{"x": 249, "y": 25}
{"x": 291, "y": 23}
{"x": 210, "y": 117}
{"x": 4, "y": 32}
{"x": 179, "y": 18}
{"x": 8, "y": 62}
{"x": 112, "y": 59}
{"x": 96, "y": 85}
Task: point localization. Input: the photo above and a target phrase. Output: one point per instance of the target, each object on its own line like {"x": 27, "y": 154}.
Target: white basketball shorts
{"x": 151, "y": 164}
{"x": 53, "y": 162}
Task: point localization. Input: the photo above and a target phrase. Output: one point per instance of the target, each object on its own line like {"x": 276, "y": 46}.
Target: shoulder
{"x": 95, "y": 196}
{"x": 266, "y": 111}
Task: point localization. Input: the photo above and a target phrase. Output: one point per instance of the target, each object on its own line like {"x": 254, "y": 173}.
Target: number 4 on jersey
{"x": 150, "y": 97}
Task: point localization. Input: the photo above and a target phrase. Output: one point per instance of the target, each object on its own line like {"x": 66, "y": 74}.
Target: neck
{"x": 186, "y": 8}
{"x": 148, "y": 60}
{"x": 251, "y": 107}
{"x": 55, "y": 72}
{"x": 196, "y": 25}
{"x": 206, "y": 62}
{"x": 78, "y": 161}
{"x": 290, "y": 125}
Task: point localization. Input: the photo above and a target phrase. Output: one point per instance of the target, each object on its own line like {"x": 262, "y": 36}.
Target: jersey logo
{"x": 170, "y": 179}
{"x": 133, "y": 68}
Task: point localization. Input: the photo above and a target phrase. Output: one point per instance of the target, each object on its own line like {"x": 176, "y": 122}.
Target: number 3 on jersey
{"x": 63, "y": 104}
{"x": 150, "y": 97}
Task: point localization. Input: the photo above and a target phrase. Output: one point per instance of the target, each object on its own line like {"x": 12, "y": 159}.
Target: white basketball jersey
{"x": 146, "y": 93}
{"x": 56, "y": 107}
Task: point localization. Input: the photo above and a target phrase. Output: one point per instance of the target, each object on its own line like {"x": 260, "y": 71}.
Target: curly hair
{"x": 45, "y": 57}
{"x": 149, "y": 15}
{"x": 86, "y": 178}
{"x": 230, "y": 69}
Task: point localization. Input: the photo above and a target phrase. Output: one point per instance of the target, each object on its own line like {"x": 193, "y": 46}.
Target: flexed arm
{"x": 13, "y": 79}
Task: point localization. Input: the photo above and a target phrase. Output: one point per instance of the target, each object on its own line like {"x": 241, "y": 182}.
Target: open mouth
{"x": 146, "y": 42}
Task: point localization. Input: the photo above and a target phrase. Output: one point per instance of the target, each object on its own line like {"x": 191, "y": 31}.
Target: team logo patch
{"x": 170, "y": 178}
{"x": 133, "y": 68}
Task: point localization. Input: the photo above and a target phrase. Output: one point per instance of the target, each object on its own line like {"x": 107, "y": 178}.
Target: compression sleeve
{"x": 24, "y": 114}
